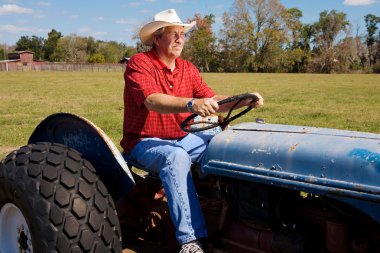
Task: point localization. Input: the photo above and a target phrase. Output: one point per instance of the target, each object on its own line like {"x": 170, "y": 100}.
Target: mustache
{"x": 178, "y": 44}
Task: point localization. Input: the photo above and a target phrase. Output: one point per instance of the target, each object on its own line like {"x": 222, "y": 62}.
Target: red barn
{"x": 18, "y": 61}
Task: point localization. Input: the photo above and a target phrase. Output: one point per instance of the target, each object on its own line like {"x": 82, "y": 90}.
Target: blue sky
{"x": 118, "y": 20}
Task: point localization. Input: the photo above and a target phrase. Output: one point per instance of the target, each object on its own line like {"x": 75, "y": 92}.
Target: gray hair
{"x": 158, "y": 33}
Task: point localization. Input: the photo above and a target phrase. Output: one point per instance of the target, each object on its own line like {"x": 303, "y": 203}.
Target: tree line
{"x": 73, "y": 48}
{"x": 255, "y": 36}
{"x": 264, "y": 36}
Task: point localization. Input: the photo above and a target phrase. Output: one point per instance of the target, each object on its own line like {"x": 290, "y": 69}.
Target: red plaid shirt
{"x": 145, "y": 75}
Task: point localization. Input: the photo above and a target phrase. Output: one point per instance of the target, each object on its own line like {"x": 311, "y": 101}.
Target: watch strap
{"x": 189, "y": 105}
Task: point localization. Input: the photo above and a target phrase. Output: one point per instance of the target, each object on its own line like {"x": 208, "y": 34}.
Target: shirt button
{"x": 171, "y": 86}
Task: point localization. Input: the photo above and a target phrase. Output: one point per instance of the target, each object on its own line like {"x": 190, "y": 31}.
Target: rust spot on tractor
{"x": 292, "y": 148}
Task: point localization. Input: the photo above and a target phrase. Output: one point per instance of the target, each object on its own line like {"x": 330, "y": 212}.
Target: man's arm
{"x": 164, "y": 103}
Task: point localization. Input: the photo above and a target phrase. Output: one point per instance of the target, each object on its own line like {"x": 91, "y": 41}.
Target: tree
{"x": 71, "y": 49}
{"x": 200, "y": 48}
{"x": 347, "y": 55}
{"x": 298, "y": 50}
{"x": 371, "y": 25}
{"x": 329, "y": 26}
{"x": 129, "y": 51}
{"x": 326, "y": 32}
{"x": 34, "y": 44}
{"x": 92, "y": 46}
{"x": 50, "y": 44}
{"x": 270, "y": 34}
{"x": 113, "y": 51}
{"x": 4, "y": 50}
{"x": 2, "y": 54}
{"x": 236, "y": 39}
{"x": 24, "y": 43}
{"x": 294, "y": 24}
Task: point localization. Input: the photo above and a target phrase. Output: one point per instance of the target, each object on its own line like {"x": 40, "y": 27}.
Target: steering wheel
{"x": 187, "y": 123}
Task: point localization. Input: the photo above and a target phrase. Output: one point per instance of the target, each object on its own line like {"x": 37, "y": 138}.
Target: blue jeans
{"x": 172, "y": 159}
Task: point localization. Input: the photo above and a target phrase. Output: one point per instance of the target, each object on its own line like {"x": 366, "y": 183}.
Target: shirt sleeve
{"x": 139, "y": 78}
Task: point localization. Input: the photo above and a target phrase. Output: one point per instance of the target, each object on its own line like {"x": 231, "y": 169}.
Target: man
{"x": 160, "y": 91}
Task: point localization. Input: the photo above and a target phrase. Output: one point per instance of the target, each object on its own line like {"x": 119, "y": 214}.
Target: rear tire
{"x": 51, "y": 200}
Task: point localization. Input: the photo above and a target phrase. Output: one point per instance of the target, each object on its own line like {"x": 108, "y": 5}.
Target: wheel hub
{"x": 14, "y": 231}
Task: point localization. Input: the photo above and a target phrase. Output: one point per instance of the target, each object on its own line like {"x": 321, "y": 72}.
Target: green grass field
{"x": 335, "y": 101}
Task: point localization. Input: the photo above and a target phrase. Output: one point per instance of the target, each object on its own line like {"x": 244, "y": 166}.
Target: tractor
{"x": 262, "y": 187}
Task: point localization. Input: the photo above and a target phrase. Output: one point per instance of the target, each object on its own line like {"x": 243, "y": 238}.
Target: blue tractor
{"x": 262, "y": 187}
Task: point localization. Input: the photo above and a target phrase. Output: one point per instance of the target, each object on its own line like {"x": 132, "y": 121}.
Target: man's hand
{"x": 259, "y": 103}
{"x": 246, "y": 102}
{"x": 205, "y": 106}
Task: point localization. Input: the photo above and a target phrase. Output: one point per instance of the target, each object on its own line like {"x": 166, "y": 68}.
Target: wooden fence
{"x": 57, "y": 66}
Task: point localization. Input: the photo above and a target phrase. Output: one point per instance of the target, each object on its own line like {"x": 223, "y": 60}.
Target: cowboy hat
{"x": 162, "y": 19}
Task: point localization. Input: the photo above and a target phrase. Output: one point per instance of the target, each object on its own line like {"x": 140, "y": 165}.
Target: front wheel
{"x": 51, "y": 200}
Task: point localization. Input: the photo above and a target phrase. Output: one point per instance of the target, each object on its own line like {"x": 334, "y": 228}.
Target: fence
{"x": 57, "y": 66}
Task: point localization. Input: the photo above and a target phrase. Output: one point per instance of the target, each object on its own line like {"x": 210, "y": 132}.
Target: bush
{"x": 96, "y": 58}
{"x": 376, "y": 67}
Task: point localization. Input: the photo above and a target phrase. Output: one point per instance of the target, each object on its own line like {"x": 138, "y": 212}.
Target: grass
{"x": 335, "y": 101}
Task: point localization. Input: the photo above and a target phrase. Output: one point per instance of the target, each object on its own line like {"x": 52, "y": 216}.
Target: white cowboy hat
{"x": 162, "y": 19}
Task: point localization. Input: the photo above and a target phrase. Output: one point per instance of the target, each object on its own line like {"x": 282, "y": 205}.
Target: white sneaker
{"x": 192, "y": 247}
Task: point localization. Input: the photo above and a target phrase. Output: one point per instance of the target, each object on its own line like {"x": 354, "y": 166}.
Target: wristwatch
{"x": 189, "y": 105}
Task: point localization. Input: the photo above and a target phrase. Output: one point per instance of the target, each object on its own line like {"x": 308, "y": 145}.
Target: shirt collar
{"x": 159, "y": 64}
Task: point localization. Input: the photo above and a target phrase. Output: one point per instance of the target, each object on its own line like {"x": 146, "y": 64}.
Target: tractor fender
{"x": 95, "y": 146}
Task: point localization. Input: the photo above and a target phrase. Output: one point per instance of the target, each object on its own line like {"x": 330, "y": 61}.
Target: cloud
{"x": 74, "y": 16}
{"x": 17, "y": 29}
{"x": 100, "y": 34}
{"x": 84, "y": 30}
{"x": 359, "y": 2}
{"x": 39, "y": 15}
{"x": 44, "y": 4}
{"x": 134, "y": 4}
{"x": 87, "y": 31}
{"x": 21, "y": 22}
{"x": 146, "y": 11}
{"x": 12, "y": 1}
{"x": 100, "y": 18}
{"x": 13, "y": 8}
{"x": 126, "y": 21}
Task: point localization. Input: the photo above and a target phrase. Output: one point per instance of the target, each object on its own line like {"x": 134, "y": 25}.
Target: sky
{"x": 117, "y": 20}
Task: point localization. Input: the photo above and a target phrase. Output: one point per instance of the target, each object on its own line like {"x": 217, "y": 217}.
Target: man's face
{"x": 171, "y": 42}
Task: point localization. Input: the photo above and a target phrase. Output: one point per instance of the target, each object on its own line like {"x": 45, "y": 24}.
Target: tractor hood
{"x": 335, "y": 163}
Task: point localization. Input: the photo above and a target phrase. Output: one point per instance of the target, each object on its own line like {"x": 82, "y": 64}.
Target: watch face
{"x": 189, "y": 105}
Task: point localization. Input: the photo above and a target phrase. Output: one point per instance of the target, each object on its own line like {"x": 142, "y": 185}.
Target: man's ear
{"x": 155, "y": 39}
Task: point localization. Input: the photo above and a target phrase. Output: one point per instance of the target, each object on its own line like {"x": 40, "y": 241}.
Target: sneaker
{"x": 191, "y": 247}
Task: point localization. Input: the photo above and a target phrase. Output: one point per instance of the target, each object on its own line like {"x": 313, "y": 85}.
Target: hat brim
{"x": 146, "y": 32}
